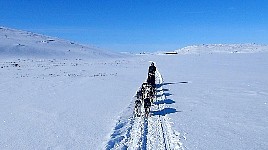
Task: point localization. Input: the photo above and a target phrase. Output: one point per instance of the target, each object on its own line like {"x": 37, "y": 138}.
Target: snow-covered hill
{"x": 17, "y": 43}
{"x": 217, "y": 101}
{"x": 223, "y": 48}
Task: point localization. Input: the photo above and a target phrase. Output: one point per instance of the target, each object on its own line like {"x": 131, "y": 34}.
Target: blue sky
{"x": 141, "y": 25}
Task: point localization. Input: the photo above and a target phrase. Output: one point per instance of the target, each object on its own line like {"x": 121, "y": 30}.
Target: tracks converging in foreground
{"x": 154, "y": 132}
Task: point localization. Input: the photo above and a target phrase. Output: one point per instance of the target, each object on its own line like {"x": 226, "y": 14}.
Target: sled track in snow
{"x": 140, "y": 133}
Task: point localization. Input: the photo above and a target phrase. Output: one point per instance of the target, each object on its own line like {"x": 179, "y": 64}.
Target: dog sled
{"x": 146, "y": 94}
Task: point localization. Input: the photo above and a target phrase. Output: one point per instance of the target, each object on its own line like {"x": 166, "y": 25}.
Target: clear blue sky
{"x": 141, "y": 25}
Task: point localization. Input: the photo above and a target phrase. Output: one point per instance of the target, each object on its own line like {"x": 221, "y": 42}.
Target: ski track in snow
{"x": 139, "y": 133}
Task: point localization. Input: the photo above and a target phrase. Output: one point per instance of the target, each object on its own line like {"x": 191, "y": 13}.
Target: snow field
{"x": 207, "y": 101}
{"x": 220, "y": 99}
{"x": 62, "y": 103}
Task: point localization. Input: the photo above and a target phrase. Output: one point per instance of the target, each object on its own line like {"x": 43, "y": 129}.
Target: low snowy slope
{"x": 223, "y": 48}
{"x": 17, "y": 43}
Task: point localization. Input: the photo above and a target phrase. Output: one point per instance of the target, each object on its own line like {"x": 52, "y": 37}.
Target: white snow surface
{"x": 17, "y": 43}
{"x": 203, "y": 102}
{"x": 223, "y": 48}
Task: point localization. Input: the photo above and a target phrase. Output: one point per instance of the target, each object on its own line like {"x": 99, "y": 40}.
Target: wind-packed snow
{"x": 206, "y": 101}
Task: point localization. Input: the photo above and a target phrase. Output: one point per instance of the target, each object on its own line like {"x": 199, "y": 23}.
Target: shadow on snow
{"x": 164, "y": 111}
{"x": 162, "y": 84}
{"x": 168, "y": 83}
{"x": 162, "y": 90}
{"x": 165, "y": 94}
{"x": 166, "y": 101}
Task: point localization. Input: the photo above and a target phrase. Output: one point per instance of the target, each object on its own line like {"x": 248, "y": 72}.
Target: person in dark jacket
{"x": 151, "y": 75}
{"x": 152, "y": 69}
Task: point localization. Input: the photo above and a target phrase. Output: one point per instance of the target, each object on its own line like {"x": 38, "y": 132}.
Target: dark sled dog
{"x": 147, "y": 106}
{"x": 137, "y": 110}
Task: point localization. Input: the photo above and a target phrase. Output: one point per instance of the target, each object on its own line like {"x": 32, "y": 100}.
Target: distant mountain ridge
{"x": 223, "y": 48}
{"x": 18, "y": 43}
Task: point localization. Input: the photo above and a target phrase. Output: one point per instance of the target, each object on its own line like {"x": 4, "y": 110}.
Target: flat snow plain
{"x": 220, "y": 100}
